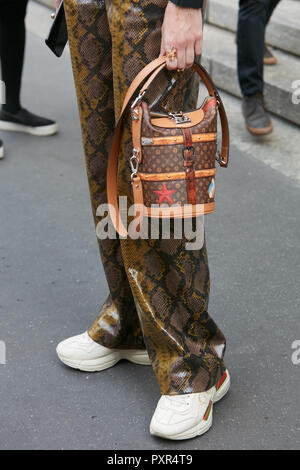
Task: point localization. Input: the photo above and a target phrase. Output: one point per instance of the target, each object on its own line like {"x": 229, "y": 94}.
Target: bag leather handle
{"x": 153, "y": 69}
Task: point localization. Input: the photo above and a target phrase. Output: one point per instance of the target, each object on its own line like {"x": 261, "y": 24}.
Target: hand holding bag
{"x": 174, "y": 155}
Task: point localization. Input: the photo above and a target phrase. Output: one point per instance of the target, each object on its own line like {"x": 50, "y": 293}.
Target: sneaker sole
{"x": 198, "y": 430}
{"x": 41, "y": 131}
{"x": 270, "y": 61}
{"x": 260, "y": 132}
{"x": 204, "y": 426}
{"x": 97, "y": 365}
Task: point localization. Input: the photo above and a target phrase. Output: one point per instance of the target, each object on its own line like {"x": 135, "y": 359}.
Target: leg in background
{"x": 270, "y": 7}
{"x": 269, "y": 57}
{"x": 252, "y": 22}
{"x": 253, "y": 18}
{"x": 12, "y": 47}
{"x": 250, "y": 41}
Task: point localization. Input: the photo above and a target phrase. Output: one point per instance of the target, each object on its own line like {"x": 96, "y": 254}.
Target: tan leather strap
{"x": 189, "y": 164}
{"x": 152, "y": 69}
{"x": 212, "y": 90}
{"x": 140, "y": 77}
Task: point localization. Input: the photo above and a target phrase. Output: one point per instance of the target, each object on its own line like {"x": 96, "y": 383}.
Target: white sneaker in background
{"x": 189, "y": 415}
{"x": 81, "y": 352}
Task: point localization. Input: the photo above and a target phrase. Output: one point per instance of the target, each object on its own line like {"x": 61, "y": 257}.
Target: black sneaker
{"x": 24, "y": 121}
{"x": 1, "y": 149}
{"x": 257, "y": 120}
{"x": 269, "y": 58}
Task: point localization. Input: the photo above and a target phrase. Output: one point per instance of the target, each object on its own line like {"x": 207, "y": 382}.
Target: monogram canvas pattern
{"x": 154, "y": 192}
{"x": 167, "y": 192}
{"x": 158, "y": 290}
{"x": 169, "y": 159}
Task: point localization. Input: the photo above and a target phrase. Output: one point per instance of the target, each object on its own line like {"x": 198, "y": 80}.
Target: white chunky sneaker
{"x": 81, "y": 352}
{"x": 189, "y": 415}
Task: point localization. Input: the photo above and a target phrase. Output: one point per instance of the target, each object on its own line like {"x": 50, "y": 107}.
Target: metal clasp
{"x": 146, "y": 141}
{"x": 179, "y": 118}
{"x": 135, "y": 104}
{"x": 219, "y": 159}
{"x": 218, "y": 98}
{"x": 189, "y": 149}
{"x": 134, "y": 163}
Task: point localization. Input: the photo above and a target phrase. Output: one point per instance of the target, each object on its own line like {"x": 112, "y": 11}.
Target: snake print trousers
{"x": 158, "y": 290}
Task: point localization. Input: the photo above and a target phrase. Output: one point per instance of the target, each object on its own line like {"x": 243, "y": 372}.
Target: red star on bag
{"x": 165, "y": 194}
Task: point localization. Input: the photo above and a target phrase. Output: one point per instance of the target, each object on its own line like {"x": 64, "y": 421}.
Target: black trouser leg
{"x": 12, "y": 46}
{"x": 271, "y": 5}
{"x": 253, "y": 18}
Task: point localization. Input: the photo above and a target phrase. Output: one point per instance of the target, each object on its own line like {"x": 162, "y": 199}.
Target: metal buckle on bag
{"x": 218, "y": 98}
{"x": 134, "y": 163}
{"x": 135, "y": 104}
{"x": 189, "y": 149}
{"x": 219, "y": 159}
{"x": 146, "y": 141}
{"x": 179, "y": 118}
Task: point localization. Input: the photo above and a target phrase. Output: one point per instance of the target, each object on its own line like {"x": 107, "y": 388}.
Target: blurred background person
{"x": 254, "y": 16}
{"x": 12, "y": 46}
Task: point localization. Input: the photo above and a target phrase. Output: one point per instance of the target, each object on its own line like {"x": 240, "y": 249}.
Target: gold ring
{"x": 180, "y": 70}
{"x": 171, "y": 54}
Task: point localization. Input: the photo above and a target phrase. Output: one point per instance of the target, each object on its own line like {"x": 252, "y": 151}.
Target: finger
{"x": 171, "y": 64}
{"x": 198, "y": 46}
{"x": 189, "y": 55}
{"x": 181, "y": 58}
{"x": 162, "y": 49}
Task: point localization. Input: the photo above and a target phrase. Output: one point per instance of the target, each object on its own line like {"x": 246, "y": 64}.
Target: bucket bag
{"x": 174, "y": 155}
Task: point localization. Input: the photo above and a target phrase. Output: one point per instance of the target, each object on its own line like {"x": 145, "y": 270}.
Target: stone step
{"x": 283, "y": 31}
{"x": 219, "y": 57}
{"x": 47, "y": 3}
{"x": 270, "y": 149}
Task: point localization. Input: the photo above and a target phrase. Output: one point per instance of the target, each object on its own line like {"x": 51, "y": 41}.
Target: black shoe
{"x": 1, "y": 149}
{"x": 269, "y": 58}
{"x": 257, "y": 120}
{"x": 24, "y": 121}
